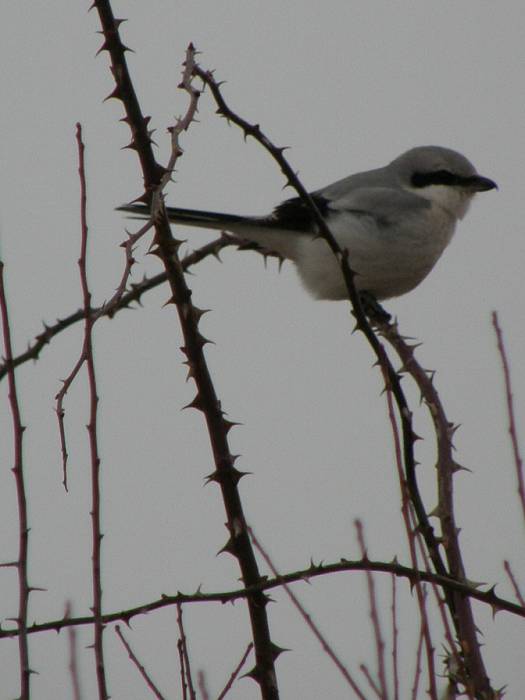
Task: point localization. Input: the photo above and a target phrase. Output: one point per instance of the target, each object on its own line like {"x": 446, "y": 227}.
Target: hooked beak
{"x": 478, "y": 183}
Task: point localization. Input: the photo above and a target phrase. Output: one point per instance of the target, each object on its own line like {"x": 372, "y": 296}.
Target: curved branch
{"x": 489, "y": 597}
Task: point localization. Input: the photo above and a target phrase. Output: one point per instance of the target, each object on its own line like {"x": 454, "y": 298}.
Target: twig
{"x": 419, "y": 652}
{"x": 309, "y": 622}
{"x": 374, "y": 616}
{"x": 518, "y": 462}
{"x": 184, "y": 653}
{"x": 87, "y": 356}
{"x": 201, "y": 680}
{"x": 147, "y": 678}
{"x": 235, "y": 673}
{"x": 182, "y": 669}
{"x": 109, "y": 309}
{"x": 23, "y": 527}
{"x": 395, "y": 639}
{"x": 73, "y": 656}
{"x": 512, "y": 579}
{"x": 373, "y": 685}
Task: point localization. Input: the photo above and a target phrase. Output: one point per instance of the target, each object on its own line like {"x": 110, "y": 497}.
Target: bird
{"x": 394, "y": 221}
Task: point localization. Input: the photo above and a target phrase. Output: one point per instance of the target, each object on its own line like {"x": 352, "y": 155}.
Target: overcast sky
{"x": 348, "y": 86}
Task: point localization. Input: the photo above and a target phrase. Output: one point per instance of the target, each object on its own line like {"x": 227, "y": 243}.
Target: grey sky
{"x": 348, "y": 86}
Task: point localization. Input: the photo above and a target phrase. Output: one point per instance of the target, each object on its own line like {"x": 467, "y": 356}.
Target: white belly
{"x": 390, "y": 261}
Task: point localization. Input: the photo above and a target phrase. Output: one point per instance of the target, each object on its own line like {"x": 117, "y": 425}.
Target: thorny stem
{"x": 391, "y": 378}
{"x": 473, "y": 676}
{"x": 476, "y": 677}
{"x": 343, "y": 566}
{"x": 87, "y": 354}
{"x": 109, "y": 309}
{"x": 206, "y": 399}
{"x": 412, "y": 536}
{"x": 23, "y": 527}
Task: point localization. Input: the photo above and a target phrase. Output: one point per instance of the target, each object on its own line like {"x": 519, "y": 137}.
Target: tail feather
{"x": 194, "y": 217}
{"x": 260, "y": 230}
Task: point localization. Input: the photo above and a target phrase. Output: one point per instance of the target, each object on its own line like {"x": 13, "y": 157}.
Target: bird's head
{"x": 443, "y": 176}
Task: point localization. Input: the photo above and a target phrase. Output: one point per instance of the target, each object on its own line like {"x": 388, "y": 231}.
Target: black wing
{"x": 295, "y": 214}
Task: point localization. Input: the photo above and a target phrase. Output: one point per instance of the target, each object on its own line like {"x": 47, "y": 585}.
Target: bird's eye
{"x": 437, "y": 177}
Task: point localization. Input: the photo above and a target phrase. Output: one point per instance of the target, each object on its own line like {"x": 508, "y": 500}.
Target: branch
{"x": 140, "y": 668}
{"x": 390, "y": 376}
{"x": 206, "y": 399}
{"x": 518, "y": 462}
{"x": 184, "y": 656}
{"x": 374, "y": 616}
{"x": 474, "y": 675}
{"x": 235, "y": 673}
{"x": 313, "y": 571}
{"x": 110, "y": 309}
{"x": 87, "y": 357}
{"x": 18, "y": 473}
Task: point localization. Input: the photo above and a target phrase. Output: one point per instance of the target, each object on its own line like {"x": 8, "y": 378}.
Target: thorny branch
{"x": 473, "y": 674}
{"x": 87, "y": 357}
{"x": 391, "y": 377}
{"x": 206, "y": 399}
{"x": 412, "y": 537}
{"x": 117, "y": 303}
{"x": 23, "y": 526}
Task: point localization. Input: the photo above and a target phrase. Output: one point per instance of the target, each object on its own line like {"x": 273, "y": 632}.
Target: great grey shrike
{"x": 395, "y": 221}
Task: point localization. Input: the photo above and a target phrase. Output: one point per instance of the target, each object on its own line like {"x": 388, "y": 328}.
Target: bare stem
{"x": 374, "y": 616}
{"x": 87, "y": 356}
{"x": 235, "y": 673}
{"x": 185, "y": 657}
{"x": 518, "y": 461}
{"x": 140, "y": 667}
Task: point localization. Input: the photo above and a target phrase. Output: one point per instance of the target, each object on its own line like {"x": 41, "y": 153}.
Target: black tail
{"x": 190, "y": 217}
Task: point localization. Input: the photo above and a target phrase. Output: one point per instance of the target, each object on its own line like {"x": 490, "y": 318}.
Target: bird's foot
{"x": 373, "y": 308}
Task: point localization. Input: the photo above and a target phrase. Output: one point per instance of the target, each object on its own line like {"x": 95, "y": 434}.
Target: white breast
{"x": 389, "y": 260}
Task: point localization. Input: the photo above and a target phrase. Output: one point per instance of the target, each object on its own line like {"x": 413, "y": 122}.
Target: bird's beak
{"x": 478, "y": 183}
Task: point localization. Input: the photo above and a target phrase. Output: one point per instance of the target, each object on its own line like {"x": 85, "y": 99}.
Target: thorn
{"x": 229, "y": 424}
{"x": 255, "y": 674}
{"x": 196, "y": 404}
{"x": 199, "y": 313}
{"x": 104, "y": 47}
{"x": 277, "y": 650}
{"x": 236, "y": 474}
{"x": 132, "y": 146}
{"x": 114, "y": 95}
{"x": 435, "y": 512}
{"x": 229, "y": 547}
{"x": 459, "y": 468}
{"x": 214, "y": 476}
